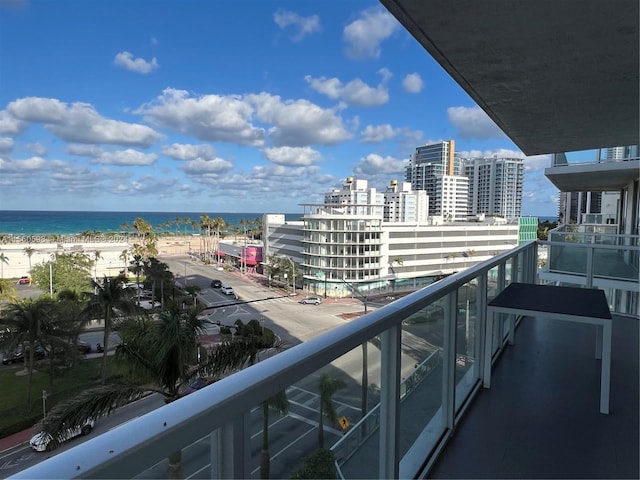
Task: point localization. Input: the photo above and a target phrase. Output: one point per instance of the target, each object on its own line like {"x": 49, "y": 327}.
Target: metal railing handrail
{"x": 122, "y": 452}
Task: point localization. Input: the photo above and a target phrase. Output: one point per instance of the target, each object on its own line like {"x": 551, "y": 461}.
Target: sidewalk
{"x": 16, "y": 440}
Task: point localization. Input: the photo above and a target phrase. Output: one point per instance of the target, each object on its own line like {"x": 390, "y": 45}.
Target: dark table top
{"x": 583, "y": 302}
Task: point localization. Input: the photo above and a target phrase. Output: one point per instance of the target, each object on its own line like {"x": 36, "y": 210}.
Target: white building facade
{"x": 495, "y": 186}
{"x": 340, "y": 247}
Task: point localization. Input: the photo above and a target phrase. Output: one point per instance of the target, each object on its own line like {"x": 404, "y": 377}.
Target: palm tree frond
{"x": 90, "y": 404}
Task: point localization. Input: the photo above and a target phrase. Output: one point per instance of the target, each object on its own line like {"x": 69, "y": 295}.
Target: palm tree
{"x": 7, "y": 290}
{"x": 159, "y": 274}
{"x": 29, "y": 251}
{"x": 97, "y": 255}
{"x": 61, "y": 331}
{"x": 24, "y": 320}
{"x": 193, "y": 290}
{"x": 218, "y": 223}
{"x": 280, "y": 404}
{"x": 3, "y": 259}
{"x": 161, "y": 356}
{"x": 328, "y": 386}
{"x": 110, "y": 300}
{"x": 124, "y": 256}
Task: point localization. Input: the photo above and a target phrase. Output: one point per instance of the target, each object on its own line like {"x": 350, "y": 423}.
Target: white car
{"x": 148, "y": 305}
{"x": 42, "y": 442}
{"x": 227, "y": 290}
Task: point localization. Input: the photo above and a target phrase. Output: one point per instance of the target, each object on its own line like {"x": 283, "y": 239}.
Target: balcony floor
{"x": 541, "y": 419}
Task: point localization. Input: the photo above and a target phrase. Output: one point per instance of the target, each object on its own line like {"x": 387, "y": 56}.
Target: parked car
{"x": 43, "y": 442}
{"x": 24, "y": 280}
{"x": 18, "y": 355}
{"x": 83, "y": 347}
{"x": 227, "y": 290}
{"x": 215, "y": 283}
{"x": 148, "y": 304}
{"x": 311, "y": 301}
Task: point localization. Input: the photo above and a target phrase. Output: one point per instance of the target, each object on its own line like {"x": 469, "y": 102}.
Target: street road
{"x": 294, "y": 435}
{"x": 23, "y": 457}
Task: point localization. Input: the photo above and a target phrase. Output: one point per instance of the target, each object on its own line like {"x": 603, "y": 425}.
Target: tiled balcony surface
{"x": 541, "y": 419}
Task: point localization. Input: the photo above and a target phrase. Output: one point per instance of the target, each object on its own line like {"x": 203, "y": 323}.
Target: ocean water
{"x": 32, "y": 222}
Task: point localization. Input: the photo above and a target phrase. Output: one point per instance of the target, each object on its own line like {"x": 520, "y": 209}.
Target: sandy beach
{"x": 110, "y": 260}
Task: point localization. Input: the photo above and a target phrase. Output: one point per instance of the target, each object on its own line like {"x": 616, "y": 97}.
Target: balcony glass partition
{"x": 422, "y": 365}
{"x": 593, "y": 258}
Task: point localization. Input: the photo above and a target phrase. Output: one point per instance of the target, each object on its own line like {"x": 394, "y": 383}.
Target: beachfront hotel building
{"x": 356, "y": 239}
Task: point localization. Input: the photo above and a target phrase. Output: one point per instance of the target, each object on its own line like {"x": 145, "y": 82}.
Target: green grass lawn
{"x": 15, "y": 414}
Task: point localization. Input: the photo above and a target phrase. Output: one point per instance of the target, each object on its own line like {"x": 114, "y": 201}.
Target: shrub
{"x": 320, "y": 464}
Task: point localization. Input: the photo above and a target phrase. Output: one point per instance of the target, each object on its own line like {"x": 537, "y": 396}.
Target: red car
{"x": 24, "y": 280}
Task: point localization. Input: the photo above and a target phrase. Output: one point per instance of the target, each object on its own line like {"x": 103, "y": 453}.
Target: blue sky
{"x": 221, "y": 106}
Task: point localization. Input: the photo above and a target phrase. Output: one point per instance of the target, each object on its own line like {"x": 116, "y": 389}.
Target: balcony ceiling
{"x": 555, "y": 76}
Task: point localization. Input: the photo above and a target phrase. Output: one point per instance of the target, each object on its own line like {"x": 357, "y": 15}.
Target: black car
{"x": 18, "y": 355}
{"x": 215, "y": 283}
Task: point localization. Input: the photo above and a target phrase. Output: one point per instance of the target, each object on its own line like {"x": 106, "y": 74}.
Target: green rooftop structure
{"x": 527, "y": 229}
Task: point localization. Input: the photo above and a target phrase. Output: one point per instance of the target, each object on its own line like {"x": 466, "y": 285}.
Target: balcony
{"x": 592, "y": 256}
{"x": 423, "y": 411}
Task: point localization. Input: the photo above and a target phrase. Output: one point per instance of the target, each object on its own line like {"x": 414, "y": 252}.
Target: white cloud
{"x": 84, "y": 150}
{"x": 37, "y": 148}
{"x": 302, "y": 25}
{"x": 211, "y": 118}
{"x": 378, "y": 133}
{"x": 128, "y": 157}
{"x": 292, "y": 156}
{"x": 200, "y": 166}
{"x": 355, "y": 93}
{"x": 80, "y": 123}
{"x": 6, "y": 144}
{"x": 412, "y": 83}
{"x": 138, "y": 65}
{"x": 29, "y": 164}
{"x": 298, "y": 123}
{"x": 374, "y": 164}
{"x": 9, "y": 125}
{"x": 183, "y": 151}
{"x": 364, "y": 36}
{"x": 473, "y": 123}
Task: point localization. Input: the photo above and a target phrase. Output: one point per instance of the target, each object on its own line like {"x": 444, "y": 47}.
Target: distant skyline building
{"x": 436, "y": 169}
{"x": 459, "y": 187}
{"x": 495, "y": 186}
{"x": 402, "y": 204}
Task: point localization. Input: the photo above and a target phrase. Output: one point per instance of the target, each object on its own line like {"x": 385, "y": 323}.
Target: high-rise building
{"x": 436, "y": 169}
{"x": 402, "y": 204}
{"x": 495, "y": 186}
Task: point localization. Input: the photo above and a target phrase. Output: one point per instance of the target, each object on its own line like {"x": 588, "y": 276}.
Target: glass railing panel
{"x": 492, "y": 283}
{"x": 566, "y": 259}
{"x": 421, "y": 370}
{"x": 467, "y": 368}
{"x": 615, "y": 264}
{"x": 191, "y": 460}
